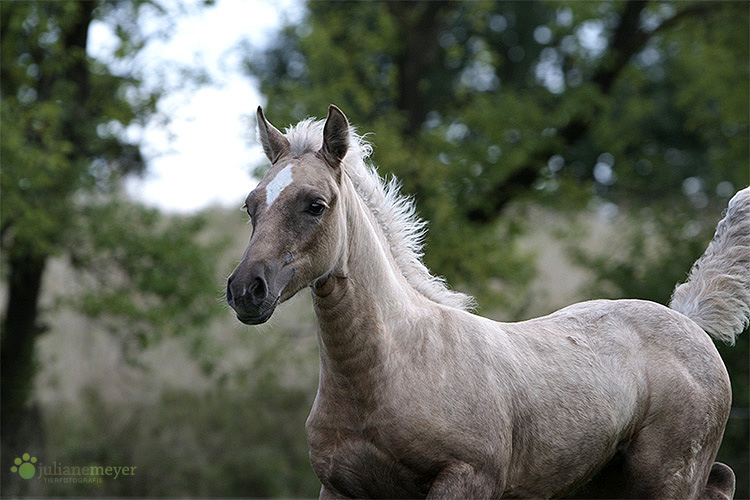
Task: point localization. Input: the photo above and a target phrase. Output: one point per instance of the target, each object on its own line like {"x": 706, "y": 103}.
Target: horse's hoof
{"x": 720, "y": 485}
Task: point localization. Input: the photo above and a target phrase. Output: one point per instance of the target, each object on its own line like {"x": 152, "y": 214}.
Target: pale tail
{"x": 716, "y": 294}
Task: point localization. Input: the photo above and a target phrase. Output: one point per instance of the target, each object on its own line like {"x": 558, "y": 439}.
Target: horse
{"x": 420, "y": 398}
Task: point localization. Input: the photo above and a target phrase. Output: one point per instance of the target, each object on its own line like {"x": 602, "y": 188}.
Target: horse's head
{"x": 298, "y": 227}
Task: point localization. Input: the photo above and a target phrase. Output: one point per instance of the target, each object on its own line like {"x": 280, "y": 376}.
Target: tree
{"x": 64, "y": 156}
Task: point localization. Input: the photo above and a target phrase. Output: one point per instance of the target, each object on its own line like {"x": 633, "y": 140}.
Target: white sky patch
{"x": 205, "y": 157}
{"x": 592, "y": 38}
{"x": 206, "y": 152}
{"x": 278, "y": 184}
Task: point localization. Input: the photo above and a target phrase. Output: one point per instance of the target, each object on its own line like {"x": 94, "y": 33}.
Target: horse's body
{"x": 419, "y": 398}
{"x": 536, "y": 408}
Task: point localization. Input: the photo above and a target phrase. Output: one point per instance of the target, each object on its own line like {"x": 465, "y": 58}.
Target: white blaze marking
{"x": 278, "y": 184}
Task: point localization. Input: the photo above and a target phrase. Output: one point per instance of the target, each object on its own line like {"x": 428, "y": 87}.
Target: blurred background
{"x": 560, "y": 150}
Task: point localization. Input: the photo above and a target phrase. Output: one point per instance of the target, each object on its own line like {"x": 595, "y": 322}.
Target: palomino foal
{"x": 419, "y": 398}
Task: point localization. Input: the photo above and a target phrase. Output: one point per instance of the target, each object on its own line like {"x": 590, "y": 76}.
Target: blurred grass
{"x": 223, "y": 443}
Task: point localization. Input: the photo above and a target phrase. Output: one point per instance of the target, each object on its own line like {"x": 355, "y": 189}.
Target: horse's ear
{"x": 274, "y": 143}
{"x": 335, "y": 136}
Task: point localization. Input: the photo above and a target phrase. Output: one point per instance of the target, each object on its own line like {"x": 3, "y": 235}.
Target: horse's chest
{"x": 357, "y": 467}
{"x": 384, "y": 449}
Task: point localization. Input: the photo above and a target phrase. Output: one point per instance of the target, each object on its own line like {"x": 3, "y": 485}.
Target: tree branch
{"x": 627, "y": 40}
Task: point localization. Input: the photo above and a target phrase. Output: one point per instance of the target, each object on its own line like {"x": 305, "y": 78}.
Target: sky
{"x": 204, "y": 155}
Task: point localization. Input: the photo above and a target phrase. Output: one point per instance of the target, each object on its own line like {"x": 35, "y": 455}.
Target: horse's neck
{"x": 360, "y": 298}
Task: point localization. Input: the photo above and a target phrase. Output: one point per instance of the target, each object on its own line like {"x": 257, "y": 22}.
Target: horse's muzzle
{"x": 254, "y": 291}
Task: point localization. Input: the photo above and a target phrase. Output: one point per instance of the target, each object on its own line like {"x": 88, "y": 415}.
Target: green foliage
{"x": 27, "y": 217}
{"x": 227, "y": 443}
{"x": 145, "y": 275}
{"x": 65, "y": 153}
{"x": 62, "y": 121}
{"x": 241, "y": 438}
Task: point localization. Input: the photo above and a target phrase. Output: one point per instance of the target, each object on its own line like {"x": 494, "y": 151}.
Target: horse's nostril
{"x": 230, "y": 299}
{"x": 258, "y": 290}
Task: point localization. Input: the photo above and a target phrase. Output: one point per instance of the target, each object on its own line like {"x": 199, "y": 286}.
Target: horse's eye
{"x": 317, "y": 207}
{"x": 246, "y": 209}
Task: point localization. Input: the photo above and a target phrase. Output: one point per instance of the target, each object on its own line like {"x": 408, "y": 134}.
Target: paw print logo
{"x": 25, "y": 467}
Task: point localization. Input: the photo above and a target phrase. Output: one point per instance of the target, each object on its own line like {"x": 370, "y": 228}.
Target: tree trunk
{"x": 20, "y": 422}
{"x": 419, "y": 25}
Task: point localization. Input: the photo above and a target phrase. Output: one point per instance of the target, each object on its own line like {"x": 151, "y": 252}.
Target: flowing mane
{"x": 395, "y": 213}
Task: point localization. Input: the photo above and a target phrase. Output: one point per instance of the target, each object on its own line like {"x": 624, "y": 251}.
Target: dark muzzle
{"x": 253, "y": 291}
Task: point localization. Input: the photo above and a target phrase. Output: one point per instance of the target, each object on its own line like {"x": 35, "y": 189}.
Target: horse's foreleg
{"x": 326, "y": 494}
{"x": 461, "y": 480}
